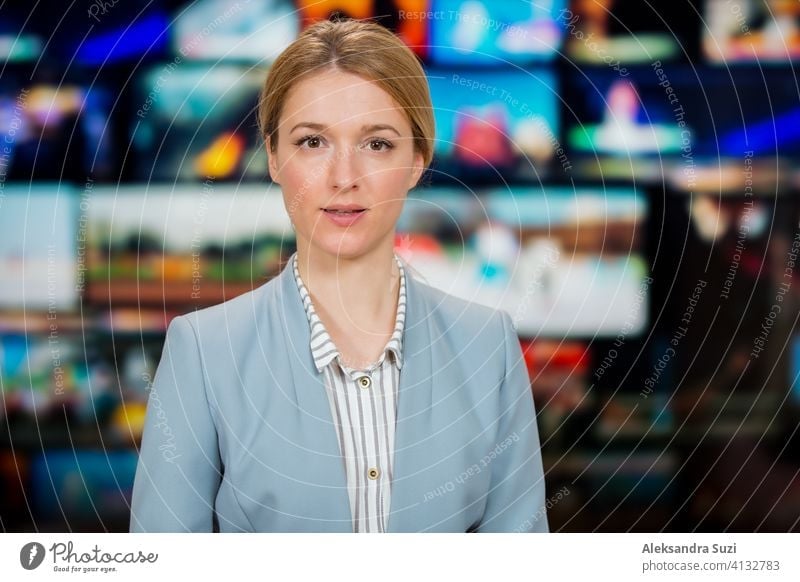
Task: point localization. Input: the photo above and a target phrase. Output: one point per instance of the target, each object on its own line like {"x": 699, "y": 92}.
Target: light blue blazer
{"x": 239, "y": 436}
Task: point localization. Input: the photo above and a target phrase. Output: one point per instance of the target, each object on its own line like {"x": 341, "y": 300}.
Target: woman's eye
{"x": 315, "y": 142}
{"x": 312, "y": 141}
{"x": 378, "y": 145}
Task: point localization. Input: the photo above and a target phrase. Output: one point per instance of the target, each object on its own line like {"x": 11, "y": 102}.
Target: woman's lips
{"x": 344, "y": 218}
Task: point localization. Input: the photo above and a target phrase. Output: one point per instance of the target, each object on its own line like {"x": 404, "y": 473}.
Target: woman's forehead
{"x": 341, "y": 101}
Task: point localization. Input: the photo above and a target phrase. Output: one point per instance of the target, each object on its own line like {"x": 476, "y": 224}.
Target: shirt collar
{"x": 323, "y": 349}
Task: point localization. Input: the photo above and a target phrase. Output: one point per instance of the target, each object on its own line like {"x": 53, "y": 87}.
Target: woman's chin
{"x": 342, "y": 248}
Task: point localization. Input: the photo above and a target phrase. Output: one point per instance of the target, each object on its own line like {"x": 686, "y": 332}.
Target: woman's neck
{"x": 360, "y": 292}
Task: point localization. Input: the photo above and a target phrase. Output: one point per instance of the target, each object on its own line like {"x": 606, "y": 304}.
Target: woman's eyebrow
{"x": 378, "y": 127}
{"x": 364, "y": 128}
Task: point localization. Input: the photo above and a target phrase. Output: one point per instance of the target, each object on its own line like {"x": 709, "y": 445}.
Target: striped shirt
{"x": 363, "y": 405}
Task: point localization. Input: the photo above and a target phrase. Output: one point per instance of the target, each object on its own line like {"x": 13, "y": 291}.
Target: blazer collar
{"x": 413, "y": 418}
{"x": 326, "y": 351}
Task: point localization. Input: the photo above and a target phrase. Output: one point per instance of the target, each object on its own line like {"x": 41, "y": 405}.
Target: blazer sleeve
{"x": 178, "y": 472}
{"x": 516, "y": 498}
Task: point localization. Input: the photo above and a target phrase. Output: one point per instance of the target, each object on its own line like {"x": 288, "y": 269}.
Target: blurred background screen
{"x": 620, "y": 177}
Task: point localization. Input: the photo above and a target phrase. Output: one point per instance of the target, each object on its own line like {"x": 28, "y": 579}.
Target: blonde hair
{"x": 358, "y": 47}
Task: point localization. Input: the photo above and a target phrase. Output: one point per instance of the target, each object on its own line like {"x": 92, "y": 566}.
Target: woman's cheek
{"x": 396, "y": 180}
{"x": 296, "y": 187}
{"x": 295, "y": 198}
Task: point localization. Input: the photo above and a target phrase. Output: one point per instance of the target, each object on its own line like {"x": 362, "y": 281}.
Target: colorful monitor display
{"x": 751, "y": 31}
{"x": 466, "y": 32}
{"x": 669, "y": 110}
{"x": 55, "y": 131}
{"x": 494, "y": 122}
{"x": 617, "y": 33}
{"x": 563, "y": 262}
{"x": 216, "y": 30}
{"x": 19, "y": 41}
{"x": 103, "y": 34}
{"x": 406, "y": 18}
{"x": 150, "y": 244}
{"x": 624, "y": 116}
{"x": 39, "y": 247}
{"x": 198, "y": 123}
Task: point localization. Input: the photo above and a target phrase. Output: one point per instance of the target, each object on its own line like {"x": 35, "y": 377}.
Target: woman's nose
{"x": 343, "y": 173}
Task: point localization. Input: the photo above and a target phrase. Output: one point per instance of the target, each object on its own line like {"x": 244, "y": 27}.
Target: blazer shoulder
{"x": 461, "y": 316}
{"x": 241, "y": 308}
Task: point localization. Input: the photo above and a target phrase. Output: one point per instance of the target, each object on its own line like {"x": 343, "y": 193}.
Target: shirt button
{"x": 364, "y": 381}
{"x": 373, "y": 473}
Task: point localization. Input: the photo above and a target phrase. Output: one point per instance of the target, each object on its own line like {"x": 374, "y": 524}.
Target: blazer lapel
{"x": 316, "y": 428}
{"x": 414, "y": 400}
{"x": 413, "y": 418}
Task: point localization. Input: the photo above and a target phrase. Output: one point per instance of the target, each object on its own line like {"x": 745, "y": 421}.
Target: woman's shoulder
{"x": 237, "y": 309}
{"x": 460, "y": 315}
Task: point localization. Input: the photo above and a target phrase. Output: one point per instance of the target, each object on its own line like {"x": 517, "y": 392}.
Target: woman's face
{"x": 343, "y": 141}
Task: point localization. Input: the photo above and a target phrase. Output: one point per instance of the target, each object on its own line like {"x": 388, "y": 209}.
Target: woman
{"x": 342, "y": 395}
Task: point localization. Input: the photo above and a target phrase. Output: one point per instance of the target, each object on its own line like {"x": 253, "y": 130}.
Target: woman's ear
{"x": 272, "y": 162}
{"x": 418, "y": 167}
